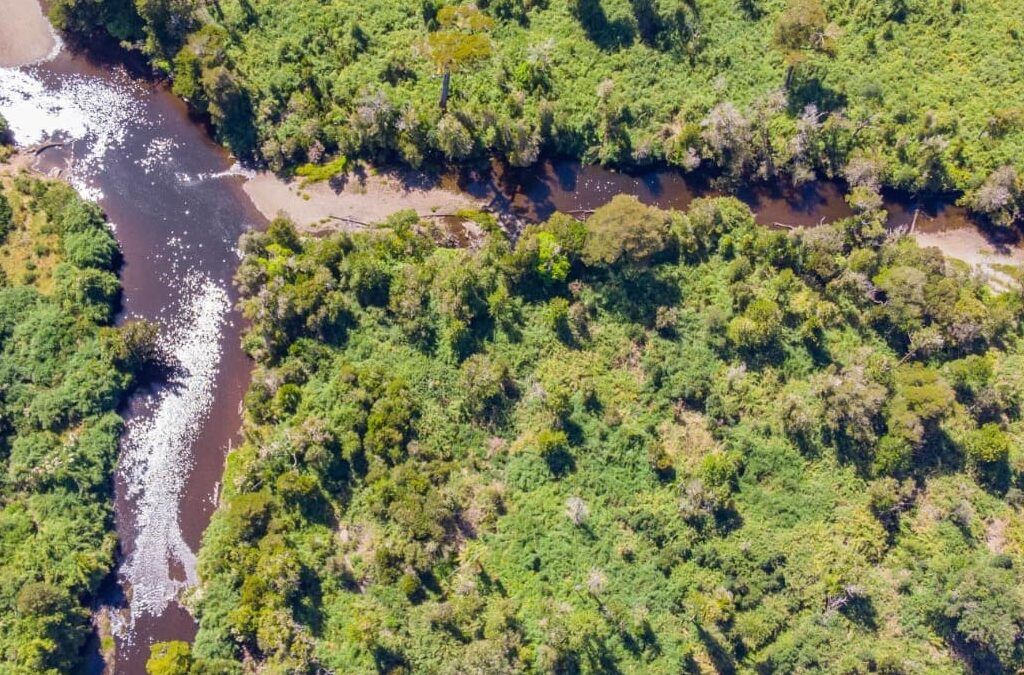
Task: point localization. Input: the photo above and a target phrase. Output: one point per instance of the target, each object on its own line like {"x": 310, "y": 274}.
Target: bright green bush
{"x": 90, "y": 248}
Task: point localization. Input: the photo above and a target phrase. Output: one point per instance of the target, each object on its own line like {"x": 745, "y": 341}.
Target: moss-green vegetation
{"x": 918, "y": 94}
{"x": 318, "y": 173}
{"x": 63, "y": 372}
{"x": 5, "y": 149}
{"x": 695, "y": 445}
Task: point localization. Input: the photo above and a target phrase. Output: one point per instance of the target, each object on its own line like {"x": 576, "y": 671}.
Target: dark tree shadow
{"x": 861, "y": 610}
{"x": 607, "y": 34}
{"x": 720, "y": 656}
{"x": 560, "y": 462}
{"x": 811, "y": 88}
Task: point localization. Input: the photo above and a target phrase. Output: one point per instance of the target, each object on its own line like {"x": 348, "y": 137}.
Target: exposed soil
{"x": 25, "y": 34}
{"x": 354, "y": 199}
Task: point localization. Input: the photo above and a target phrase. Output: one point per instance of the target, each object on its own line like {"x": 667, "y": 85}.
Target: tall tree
{"x": 802, "y": 27}
{"x": 460, "y": 41}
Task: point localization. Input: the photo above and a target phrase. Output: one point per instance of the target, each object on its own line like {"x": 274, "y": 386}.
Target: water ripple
{"x": 157, "y": 449}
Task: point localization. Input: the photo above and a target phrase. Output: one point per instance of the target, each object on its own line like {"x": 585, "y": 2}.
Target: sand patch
{"x": 970, "y": 245}
{"x": 354, "y": 199}
{"x": 25, "y": 34}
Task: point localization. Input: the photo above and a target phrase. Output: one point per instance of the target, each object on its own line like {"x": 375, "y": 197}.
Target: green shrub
{"x": 90, "y": 248}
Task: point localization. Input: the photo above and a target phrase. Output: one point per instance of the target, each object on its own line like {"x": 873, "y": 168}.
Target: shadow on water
{"x": 535, "y": 193}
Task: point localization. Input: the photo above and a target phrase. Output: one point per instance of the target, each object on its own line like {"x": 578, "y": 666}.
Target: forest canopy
{"x": 921, "y": 95}
{"x": 697, "y": 445}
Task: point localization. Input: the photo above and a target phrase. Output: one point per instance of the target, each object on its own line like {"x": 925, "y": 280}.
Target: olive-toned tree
{"x": 461, "y": 40}
{"x": 802, "y": 27}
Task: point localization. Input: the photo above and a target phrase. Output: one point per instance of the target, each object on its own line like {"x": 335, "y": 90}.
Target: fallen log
{"x": 43, "y": 147}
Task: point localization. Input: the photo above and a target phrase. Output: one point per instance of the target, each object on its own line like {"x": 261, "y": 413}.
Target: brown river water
{"x": 178, "y": 209}
{"x": 178, "y": 217}
{"x": 564, "y": 185}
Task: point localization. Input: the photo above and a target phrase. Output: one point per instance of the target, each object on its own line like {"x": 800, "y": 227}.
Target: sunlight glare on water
{"x": 94, "y": 118}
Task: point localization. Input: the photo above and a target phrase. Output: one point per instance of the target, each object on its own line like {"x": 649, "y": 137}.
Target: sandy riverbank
{"x": 359, "y": 198}
{"x": 971, "y": 246}
{"x": 25, "y": 34}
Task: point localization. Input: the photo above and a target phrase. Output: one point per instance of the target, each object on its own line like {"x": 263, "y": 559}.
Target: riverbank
{"x": 969, "y": 245}
{"x": 25, "y": 34}
{"x": 355, "y": 199}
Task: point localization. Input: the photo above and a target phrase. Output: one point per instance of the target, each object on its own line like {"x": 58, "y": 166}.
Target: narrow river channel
{"x": 178, "y": 211}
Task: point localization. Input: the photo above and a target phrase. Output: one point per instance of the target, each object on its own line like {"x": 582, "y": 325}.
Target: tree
{"x": 726, "y": 134}
{"x": 6, "y": 215}
{"x": 920, "y": 401}
{"x": 625, "y": 231}
{"x": 852, "y": 403}
{"x": 757, "y": 327}
{"x": 803, "y": 26}
{"x": 170, "y": 658}
{"x": 577, "y": 510}
{"x": 118, "y": 17}
{"x": 985, "y": 609}
{"x": 89, "y": 248}
{"x": 486, "y": 383}
{"x": 454, "y": 139}
{"x": 459, "y": 42}
{"x": 1001, "y": 197}
{"x": 135, "y": 345}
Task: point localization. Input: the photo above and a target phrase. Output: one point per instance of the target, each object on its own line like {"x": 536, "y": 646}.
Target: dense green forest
{"x": 656, "y": 442}
{"x": 923, "y": 95}
{"x": 63, "y": 372}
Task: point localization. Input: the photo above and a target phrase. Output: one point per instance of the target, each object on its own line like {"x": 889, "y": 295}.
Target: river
{"x": 178, "y": 209}
{"x": 535, "y": 193}
{"x": 178, "y": 212}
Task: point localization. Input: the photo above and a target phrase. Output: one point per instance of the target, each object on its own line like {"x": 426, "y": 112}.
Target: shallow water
{"x": 177, "y": 212}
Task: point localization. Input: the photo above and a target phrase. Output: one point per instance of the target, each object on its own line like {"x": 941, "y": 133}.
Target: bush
{"x": 758, "y": 327}
{"x": 625, "y": 231}
{"x": 987, "y": 445}
{"x": 91, "y": 248}
{"x": 89, "y": 292}
{"x": 170, "y": 658}
{"x": 485, "y": 384}
{"x": 6, "y": 218}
